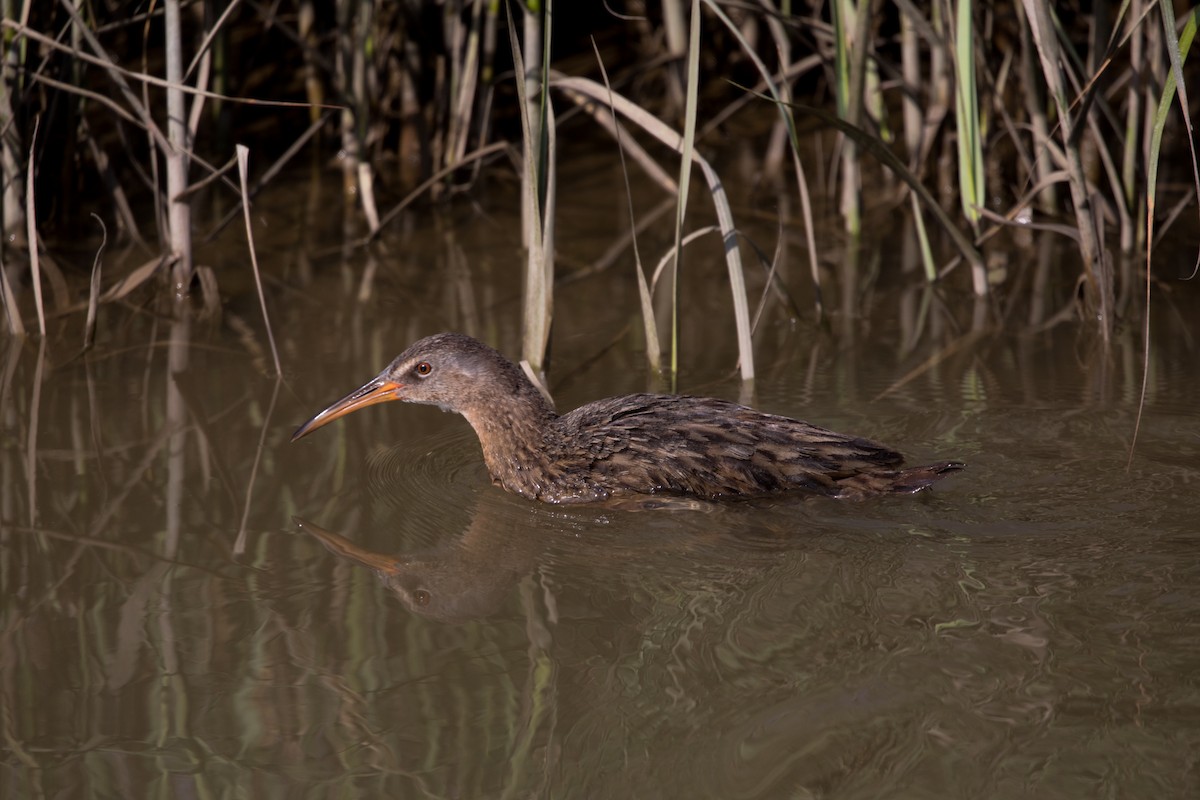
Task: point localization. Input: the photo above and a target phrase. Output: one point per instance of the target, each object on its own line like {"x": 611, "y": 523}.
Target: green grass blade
{"x": 889, "y": 159}
{"x": 840, "y": 10}
{"x": 923, "y": 239}
{"x": 653, "y": 345}
{"x": 1178, "y": 50}
{"x": 538, "y": 289}
{"x": 971, "y": 179}
{"x": 685, "y": 174}
{"x": 584, "y": 90}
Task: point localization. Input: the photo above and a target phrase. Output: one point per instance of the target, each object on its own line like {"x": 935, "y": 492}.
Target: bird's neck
{"x": 512, "y": 430}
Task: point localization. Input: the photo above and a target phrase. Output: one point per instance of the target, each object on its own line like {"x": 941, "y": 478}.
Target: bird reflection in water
{"x": 463, "y": 578}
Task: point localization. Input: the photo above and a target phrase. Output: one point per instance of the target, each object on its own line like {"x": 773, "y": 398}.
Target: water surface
{"x": 192, "y": 605}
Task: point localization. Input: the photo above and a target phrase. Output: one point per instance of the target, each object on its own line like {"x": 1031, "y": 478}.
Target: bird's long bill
{"x": 377, "y": 390}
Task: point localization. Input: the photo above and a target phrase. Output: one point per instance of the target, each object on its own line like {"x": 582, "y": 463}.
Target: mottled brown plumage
{"x": 630, "y": 445}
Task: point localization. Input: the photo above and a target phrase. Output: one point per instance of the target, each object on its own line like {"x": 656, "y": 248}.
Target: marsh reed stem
{"x": 243, "y": 157}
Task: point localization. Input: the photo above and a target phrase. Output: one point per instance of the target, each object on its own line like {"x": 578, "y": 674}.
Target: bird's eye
{"x": 421, "y": 597}
{"x": 424, "y": 368}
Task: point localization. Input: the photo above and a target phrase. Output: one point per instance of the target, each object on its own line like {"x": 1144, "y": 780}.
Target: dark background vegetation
{"x": 1065, "y": 108}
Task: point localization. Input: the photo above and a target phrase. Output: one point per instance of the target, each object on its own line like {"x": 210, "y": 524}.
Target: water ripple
{"x": 429, "y": 467}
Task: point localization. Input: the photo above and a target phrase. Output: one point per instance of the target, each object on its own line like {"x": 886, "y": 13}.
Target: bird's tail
{"x": 900, "y": 481}
{"x": 914, "y": 479}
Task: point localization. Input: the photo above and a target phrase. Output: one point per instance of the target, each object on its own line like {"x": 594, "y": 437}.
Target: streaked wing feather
{"x": 709, "y": 447}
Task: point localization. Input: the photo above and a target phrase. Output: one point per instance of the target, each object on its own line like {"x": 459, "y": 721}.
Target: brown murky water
{"x": 1032, "y": 628}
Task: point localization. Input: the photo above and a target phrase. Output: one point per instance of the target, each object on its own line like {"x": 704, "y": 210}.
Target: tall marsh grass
{"x": 1063, "y": 120}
